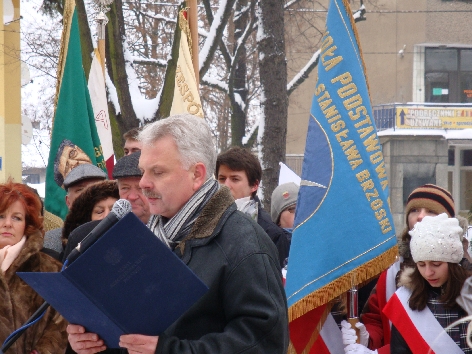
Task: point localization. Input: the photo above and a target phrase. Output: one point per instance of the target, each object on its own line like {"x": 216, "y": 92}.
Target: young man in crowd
{"x": 132, "y": 144}
{"x": 241, "y": 172}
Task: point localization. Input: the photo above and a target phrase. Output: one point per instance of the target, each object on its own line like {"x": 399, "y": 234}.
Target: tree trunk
{"x": 274, "y": 101}
{"x": 85, "y": 37}
{"x": 239, "y": 85}
{"x": 167, "y": 93}
{"x": 116, "y": 67}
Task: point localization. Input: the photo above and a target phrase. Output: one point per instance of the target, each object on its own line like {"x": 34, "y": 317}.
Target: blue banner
{"x": 344, "y": 230}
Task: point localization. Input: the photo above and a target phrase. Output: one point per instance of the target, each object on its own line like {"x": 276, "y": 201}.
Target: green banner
{"x": 74, "y": 138}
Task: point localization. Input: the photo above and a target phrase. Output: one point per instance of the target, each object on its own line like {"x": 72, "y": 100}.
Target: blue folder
{"x": 128, "y": 282}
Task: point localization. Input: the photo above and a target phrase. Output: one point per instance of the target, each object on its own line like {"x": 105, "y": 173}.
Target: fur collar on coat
{"x": 210, "y": 216}
{"x": 19, "y": 302}
{"x": 405, "y": 278}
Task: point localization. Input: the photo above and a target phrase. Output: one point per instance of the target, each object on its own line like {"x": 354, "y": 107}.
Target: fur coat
{"x": 19, "y": 302}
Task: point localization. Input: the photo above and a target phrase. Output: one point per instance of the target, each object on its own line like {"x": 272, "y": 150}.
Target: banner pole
{"x": 193, "y": 24}
{"x": 102, "y": 20}
{"x": 352, "y": 306}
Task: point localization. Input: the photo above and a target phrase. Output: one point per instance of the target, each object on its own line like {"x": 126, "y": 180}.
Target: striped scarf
{"x": 177, "y": 227}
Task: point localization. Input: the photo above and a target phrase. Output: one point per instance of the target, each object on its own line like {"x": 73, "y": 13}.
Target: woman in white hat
{"x": 425, "y": 303}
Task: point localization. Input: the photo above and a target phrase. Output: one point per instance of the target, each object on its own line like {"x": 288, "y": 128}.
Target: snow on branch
{"x": 250, "y": 134}
{"x": 216, "y": 31}
{"x": 202, "y": 32}
{"x": 240, "y": 45}
{"x": 359, "y": 14}
{"x": 144, "y": 108}
{"x": 290, "y": 4}
{"x": 146, "y": 61}
{"x": 303, "y": 74}
{"x": 112, "y": 93}
{"x": 242, "y": 40}
{"x": 239, "y": 101}
{"x": 215, "y": 83}
{"x": 238, "y": 14}
{"x": 225, "y": 53}
{"x": 159, "y": 17}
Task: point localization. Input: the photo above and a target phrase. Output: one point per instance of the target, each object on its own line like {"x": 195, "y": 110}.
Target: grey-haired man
{"x": 245, "y": 309}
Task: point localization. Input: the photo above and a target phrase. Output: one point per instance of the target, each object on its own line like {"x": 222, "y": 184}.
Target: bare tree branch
{"x": 215, "y": 33}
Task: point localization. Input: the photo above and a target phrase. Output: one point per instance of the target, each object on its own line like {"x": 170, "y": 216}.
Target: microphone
{"x": 119, "y": 210}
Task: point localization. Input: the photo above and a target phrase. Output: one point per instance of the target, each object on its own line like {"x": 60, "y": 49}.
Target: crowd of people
{"x": 204, "y": 207}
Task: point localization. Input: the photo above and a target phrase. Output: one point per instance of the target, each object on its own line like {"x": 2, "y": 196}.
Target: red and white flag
{"x": 98, "y": 96}
{"x": 330, "y": 339}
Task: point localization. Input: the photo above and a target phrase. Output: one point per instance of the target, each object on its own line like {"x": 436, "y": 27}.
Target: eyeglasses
{"x": 291, "y": 209}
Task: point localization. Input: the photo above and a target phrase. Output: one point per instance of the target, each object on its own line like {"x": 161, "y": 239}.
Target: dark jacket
{"x": 279, "y": 236}
{"x": 398, "y": 344}
{"x": 245, "y": 309}
{"x": 19, "y": 302}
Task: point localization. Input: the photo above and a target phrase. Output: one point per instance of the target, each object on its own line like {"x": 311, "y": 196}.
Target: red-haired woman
{"x": 21, "y": 240}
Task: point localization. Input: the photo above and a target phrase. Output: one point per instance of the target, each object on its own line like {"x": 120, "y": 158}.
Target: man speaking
{"x": 245, "y": 309}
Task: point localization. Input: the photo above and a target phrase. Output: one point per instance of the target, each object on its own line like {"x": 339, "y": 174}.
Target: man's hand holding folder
{"x": 91, "y": 343}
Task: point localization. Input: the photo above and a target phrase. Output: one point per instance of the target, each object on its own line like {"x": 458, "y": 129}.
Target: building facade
{"x": 418, "y": 56}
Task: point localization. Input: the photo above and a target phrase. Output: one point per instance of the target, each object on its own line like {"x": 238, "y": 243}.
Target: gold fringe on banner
{"x": 342, "y": 284}
{"x": 184, "y": 27}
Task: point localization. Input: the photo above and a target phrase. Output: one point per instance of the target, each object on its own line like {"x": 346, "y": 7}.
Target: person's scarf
{"x": 248, "y": 206}
{"x": 9, "y": 253}
{"x": 177, "y": 227}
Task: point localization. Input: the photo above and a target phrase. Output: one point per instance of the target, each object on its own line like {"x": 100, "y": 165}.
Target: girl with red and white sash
{"x": 426, "y": 200}
{"x": 425, "y": 303}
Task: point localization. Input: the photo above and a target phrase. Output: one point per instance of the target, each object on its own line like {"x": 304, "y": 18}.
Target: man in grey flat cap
{"x": 128, "y": 175}
{"x": 79, "y": 178}
{"x": 75, "y": 182}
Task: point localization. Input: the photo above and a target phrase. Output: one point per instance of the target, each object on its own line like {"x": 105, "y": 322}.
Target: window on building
{"x": 448, "y": 75}
{"x": 460, "y": 176}
{"x": 30, "y": 178}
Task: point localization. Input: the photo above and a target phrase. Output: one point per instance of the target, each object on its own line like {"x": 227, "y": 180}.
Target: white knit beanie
{"x": 437, "y": 238}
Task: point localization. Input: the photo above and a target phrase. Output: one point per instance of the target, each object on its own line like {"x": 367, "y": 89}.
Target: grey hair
{"x": 192, "y": 136}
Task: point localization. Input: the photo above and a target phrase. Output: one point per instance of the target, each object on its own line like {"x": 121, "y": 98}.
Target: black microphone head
{"x": 121, "y": 208}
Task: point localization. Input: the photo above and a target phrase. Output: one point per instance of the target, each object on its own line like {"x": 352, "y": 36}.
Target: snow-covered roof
{"x": 449, "y": 134}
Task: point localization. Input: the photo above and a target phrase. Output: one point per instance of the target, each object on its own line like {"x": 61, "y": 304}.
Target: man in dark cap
{"x": 79, "y": 178}
{"x": 128, "y": 175}
{"x": 75, "y": 182}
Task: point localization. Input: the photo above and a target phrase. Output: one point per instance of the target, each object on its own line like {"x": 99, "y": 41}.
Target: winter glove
{"x": 348, "y": 333}
{"x": 363, "y": 334}
{"x": 358, "y": 349}
{"x": 350, "y": 336}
